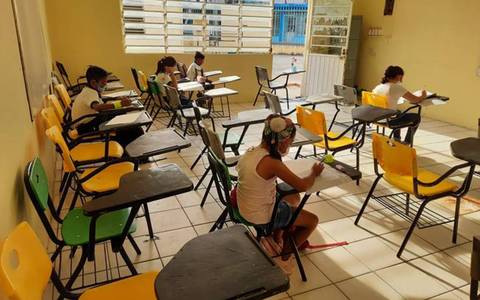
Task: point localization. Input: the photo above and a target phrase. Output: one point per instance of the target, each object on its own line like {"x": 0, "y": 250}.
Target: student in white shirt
{"x": 392, "y": 88}
{"x": 258, "y": 170}
{"x": 195, "y": 71}
{"x": 165, "y": 76}
{"x": 89, "y": 102}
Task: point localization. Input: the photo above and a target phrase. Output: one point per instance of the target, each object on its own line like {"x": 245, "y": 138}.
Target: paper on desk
{"x": 129, "y": 93}
{"x": 212, "y": 73}
{"x": 114, "y": 85}
{"x": 124, "y": 119}
{"x": 327, "y": 179}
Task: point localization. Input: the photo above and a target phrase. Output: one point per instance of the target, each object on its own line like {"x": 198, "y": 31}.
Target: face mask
{"x": 101, "y": 89}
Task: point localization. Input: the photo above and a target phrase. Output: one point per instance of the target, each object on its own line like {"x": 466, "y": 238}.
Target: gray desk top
{"x": 467, "y": 149}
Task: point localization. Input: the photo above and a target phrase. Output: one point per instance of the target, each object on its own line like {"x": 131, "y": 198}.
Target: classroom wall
{"x": 21, "y": 139}
{"x": 90, "y": 32}
{"x": 438, "y": 45}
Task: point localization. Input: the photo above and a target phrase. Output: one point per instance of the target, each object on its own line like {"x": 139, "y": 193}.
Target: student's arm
{"x": 111, "y": 105}
{"x": 269, "y": 167}
{"x": 415, "y": 99}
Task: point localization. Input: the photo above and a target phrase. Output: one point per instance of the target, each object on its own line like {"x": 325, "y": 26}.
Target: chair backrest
{"x": 369, "y": 98}
{"x": 63, "y": 73}
{"x": 54, "y": 134}
{"x": 25, "y": 267}
{"x": 49, "y": 115}
{"x": 182, "y": 68}
{"x": 154, "y": 91}
{"x": 221, "y": 173}
{"x": 262, "y": 75}
{"x": 312, "y": 120}
{"x": 142, "y": 80}
{"x": 135, "y": 78}
{"x": 394, "y": 157}
{"x": 273, "y": 102}
{"x": 173, "y": 97}
{"x": 348, "y": 94}
{"x": 53, "y": 102}
{"x": 215, "y": 144}
{"x": 63, "y": 93}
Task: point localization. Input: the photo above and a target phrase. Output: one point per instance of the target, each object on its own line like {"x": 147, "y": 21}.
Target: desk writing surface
{"x": 124, "y": 119}
{"x": 221, "y": 92}
{"x": 128, "y": 93}
{"x": 226, "y": 79}
{"x": 291, "y": 71}
{"x": 324, "y": 98}
{"x": 371, "y": 114}
{"x": 248, "y": 117}
{"x": 212, "y": 73}
{"x": 114, "y": 85}
{"x": 304, "y": 137}
{"x": 190, "y": 86}
{"x": 467, "y": 149}
{"x": 156, "y": 143}
{"x": 143, "y": 119}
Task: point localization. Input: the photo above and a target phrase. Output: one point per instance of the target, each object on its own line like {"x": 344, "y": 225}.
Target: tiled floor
{"x": 367, "y": 268}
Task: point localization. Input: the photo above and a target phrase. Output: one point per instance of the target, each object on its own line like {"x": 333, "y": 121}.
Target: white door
{"x": 326, "y": 45}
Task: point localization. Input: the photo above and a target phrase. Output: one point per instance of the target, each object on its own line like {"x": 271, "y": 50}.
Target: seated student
{"x": 392, "y": 88}
{"x": 258, "y": 170}
{"x": 89, "y": 102}
{"x": 165, "y": 75}
{"x": 195, "y": 71}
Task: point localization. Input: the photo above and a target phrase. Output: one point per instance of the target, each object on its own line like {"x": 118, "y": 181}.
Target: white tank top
{"x": 255, "y": 195}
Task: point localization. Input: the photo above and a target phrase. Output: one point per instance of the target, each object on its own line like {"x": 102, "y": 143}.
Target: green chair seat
{"x": 76, "y": 225}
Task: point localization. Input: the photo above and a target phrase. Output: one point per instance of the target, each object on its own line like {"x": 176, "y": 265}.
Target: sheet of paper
{"x": 114, "y": 85}
{"x": 190, "y": 86}
{"x": 212, "y": 73}
{"x": 229, "y": 78}
{"x": 220, "y": 92}
{"x": 124, "y": 119}
{"x": 129, "y": 93}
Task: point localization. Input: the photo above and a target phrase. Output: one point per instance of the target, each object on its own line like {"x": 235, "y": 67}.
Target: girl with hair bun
{"x": 258, "y": 170}
{"x": 391, "y": 87}
{"x": 165, "y": 75}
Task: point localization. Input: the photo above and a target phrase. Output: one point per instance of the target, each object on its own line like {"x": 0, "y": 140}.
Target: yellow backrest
{"x": 63, "y": 93}
{"x": 372, "y": 99}
{"x": 142, "y": 80}
{"x": 25, "y": 267}
{"x": 394, "y": 157}
{"x": 54, "y": 134}
{"x": 55, "y": 103}
{"x": 49, "y": 115}
{"x": 312, "y": 120}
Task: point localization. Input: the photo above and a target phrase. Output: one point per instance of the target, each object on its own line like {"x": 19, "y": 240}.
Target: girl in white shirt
{"x": 258, "y": 170}
{"x": 392, "y": 88}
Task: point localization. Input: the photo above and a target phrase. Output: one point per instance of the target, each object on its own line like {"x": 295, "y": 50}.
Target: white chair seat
{"x": 188, "y": 112}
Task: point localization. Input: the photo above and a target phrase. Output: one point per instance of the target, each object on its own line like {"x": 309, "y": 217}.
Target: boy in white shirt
{"x": 195, "y": 71}
{"x": 392, "y": 88}
{"x": 89, "y": 102}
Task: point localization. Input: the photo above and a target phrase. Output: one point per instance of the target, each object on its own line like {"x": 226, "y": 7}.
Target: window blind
{"x": 211, "y": 26}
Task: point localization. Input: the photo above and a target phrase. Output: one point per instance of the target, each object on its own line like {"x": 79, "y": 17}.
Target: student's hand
{"x": 126, "y": 102}
{"x": 317, "y": 169}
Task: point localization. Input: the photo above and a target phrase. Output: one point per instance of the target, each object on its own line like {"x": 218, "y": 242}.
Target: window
{"x": 211, "y": 26}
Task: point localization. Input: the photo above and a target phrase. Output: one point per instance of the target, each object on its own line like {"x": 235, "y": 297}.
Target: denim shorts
{"x": 282, "y": 217}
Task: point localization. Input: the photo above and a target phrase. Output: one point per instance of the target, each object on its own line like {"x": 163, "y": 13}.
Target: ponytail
{"x": 391, "y": 72}
{"x": 166, "y": 61}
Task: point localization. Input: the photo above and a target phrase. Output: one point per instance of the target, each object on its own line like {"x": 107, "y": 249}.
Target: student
{"x": 258, "y": 170}
{"x": 195, "y": 71}
{"x": 165, "y": 76}
{"x": 392, "y": 88}
{"x": 89, "y": 102}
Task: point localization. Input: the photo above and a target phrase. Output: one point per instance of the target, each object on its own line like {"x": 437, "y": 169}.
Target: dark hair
{"x": 272, "y": 139}
{"x": 199, "y": 55}
{"x": 391, "y": 72}
{"x": 95, "y": 73}
{"x": 166, "y": 61}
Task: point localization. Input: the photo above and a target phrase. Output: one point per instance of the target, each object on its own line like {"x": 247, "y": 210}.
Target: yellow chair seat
{"x": 340, "y": 143}
{"x": 405, "y": 183}
{"x": 108, "y": 179}
{"x": 136, "y": 287}
{"x": 96, "y": 150}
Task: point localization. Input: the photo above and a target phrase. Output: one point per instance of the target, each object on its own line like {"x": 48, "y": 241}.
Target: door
{"x": 326, "y": 45}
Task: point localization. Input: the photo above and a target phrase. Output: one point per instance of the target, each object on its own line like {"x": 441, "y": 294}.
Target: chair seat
{"x": 95, "y": 151}
{"x": 136, "y": 287}
{"x": 336, "y": 144}
{"x": 76, "y": 226}
{"x": 108, "y": 179}
{"x": 405, "y": 183}
{"x": 188, "y": 112}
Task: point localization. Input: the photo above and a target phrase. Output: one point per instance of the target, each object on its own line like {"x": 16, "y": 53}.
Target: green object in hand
{"x": 328, "y": 159}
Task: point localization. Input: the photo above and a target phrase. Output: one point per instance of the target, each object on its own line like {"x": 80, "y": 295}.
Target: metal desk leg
{"x": 335, "y": 116}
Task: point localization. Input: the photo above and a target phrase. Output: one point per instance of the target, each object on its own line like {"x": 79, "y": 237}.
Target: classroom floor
{"x": 367, "y": 268}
